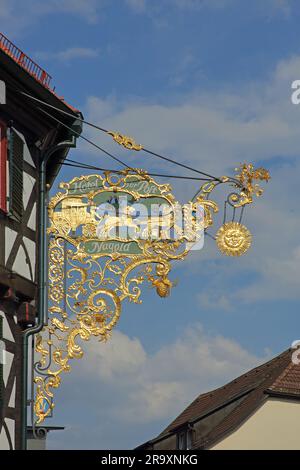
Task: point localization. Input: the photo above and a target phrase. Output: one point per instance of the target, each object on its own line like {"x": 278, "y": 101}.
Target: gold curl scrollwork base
{"x": 93, "y": 300}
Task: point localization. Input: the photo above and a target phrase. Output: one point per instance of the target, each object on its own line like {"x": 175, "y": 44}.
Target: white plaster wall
{"x": 4, "y": 445}
{"x": 28, "y": 183}
{"x": 20, "y": 265}
{"x": 10, "y": 236}
{"x": 7, "y": 359}
{"x": 31, "y": 250}
{"x": 2, "y": 92}
{"x": 275, "y": 425}
{"x": 32, "y": 219}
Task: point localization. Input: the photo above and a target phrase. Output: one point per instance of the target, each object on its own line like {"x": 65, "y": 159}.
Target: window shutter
{"x": 3, "y": 160}
{"x": 16, "y": 150}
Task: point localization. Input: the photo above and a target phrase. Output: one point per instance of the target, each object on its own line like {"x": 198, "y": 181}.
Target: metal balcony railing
{"x": 24, "y": 61}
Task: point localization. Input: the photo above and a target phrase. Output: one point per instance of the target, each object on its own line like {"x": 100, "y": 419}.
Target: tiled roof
{"x": 288, "y": 382}
{"x": 277, "y": 376}
{"x": 24, "y": 61}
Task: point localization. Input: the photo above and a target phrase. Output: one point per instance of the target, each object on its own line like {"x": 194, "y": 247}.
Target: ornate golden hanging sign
{"x": 107, "y": 235}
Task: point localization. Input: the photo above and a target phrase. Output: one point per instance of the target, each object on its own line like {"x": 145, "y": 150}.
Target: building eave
{"x": 29, "y": 84}
{"x": 19, "y": 80}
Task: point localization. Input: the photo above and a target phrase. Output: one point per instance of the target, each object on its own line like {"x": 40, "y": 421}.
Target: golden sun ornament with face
{"x": 233, "y": 239}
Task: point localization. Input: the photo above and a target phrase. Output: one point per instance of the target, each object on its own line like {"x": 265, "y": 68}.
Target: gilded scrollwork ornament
{"x": 246, "y": 176}
{"x": 128, "y": 142}
{"x": 94, "y": 268}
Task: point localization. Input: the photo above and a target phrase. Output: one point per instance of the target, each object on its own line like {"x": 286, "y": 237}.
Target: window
{"x": 12, "y": 187}
{"x": 181, "y": 440}
{"x": 184, "y": 440}
{"x": 3, "y": 160}
{"x": 16, "y": 150}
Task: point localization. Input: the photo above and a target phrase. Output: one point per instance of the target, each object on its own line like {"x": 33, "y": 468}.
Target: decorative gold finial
{"x": 128, "y": 142}
{"x": 233, "y": 239}
{"x": 246, "y": 174}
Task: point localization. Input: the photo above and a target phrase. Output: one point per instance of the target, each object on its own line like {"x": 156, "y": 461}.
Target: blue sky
{"x": 208, "y": 82}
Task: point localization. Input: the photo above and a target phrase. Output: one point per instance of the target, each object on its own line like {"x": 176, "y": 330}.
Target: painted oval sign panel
{"x": 120, "y": 214}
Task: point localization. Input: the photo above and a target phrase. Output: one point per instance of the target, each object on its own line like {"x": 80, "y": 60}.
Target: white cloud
{"x": 158, "y": 385}
{"x": 69, "y": 54}
{"x": 288, "y": 69}
{"x": 128, "y": 388}
{"x": 147, "y": 5}
{"x": 138, "y": 6}
{"x": 195, "y": 4}
{"x": 211, "y": 300}
{"x": 284, "y": 6}
{"x": 92, "y": 10}
{"x": 120, "y": 356}
{"x": 155, "y": 9}
{"x": 18, "y": 15}
{"x": 215, "y": 132}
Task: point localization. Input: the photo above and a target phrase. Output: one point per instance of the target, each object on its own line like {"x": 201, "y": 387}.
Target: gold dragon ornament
{"x": 91, "y": 276}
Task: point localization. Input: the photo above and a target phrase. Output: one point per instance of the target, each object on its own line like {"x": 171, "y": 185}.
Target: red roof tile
{"x": 288, "y": 382}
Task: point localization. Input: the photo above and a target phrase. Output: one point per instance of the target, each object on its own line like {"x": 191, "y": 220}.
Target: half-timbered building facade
{"x": 27, "y": 134}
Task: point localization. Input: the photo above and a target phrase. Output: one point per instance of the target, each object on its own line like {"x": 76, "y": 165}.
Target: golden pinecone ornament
{"x": 163, "y": 286}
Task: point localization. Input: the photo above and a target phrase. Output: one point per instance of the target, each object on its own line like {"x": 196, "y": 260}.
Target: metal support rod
{"x": 42, "y": 280}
